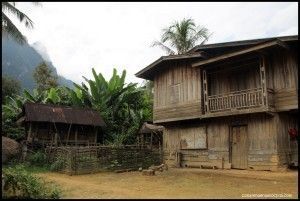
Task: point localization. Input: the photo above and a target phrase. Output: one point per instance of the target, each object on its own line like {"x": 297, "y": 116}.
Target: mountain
{"x": 19, "y": 62}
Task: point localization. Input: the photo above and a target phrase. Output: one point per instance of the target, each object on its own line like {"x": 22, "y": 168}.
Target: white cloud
{"x": 79, "y": 36}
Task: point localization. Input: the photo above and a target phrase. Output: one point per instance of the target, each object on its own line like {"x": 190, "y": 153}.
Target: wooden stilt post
{"x": 76, "y": 133}
{"x": 56, "y": 133}
{"x": 138, "y": 140}
{"x": 68, "y": 137}
{"x": 34, "y": 133}
{"x": 29, "y": 132}
{"x": 151, "y": 140}
{"x": 96, "y": 134}
{"x": 51, "y": 139}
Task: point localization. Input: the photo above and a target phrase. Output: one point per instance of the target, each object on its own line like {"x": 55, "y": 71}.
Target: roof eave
{"x": 259, "y": 46}
{"x": 142, "y": 73}
{"x": 242, "y": 42}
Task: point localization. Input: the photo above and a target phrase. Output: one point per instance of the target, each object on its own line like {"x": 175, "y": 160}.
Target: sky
{"x": 79, "y": 36}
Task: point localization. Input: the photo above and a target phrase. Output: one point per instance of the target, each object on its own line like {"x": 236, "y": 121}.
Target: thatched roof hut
{"x": 150, "y": 135}
{"x": 61, "y": 124}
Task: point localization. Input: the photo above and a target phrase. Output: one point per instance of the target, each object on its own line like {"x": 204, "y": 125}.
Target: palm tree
{"x": 182, "y": 36}
{"x": 7, "y": 25}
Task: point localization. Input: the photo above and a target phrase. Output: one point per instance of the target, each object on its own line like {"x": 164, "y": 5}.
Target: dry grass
{"x": 177, "y": 183}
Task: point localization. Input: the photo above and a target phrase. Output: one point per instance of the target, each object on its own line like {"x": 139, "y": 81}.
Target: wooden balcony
{"x": 237, "y": 102}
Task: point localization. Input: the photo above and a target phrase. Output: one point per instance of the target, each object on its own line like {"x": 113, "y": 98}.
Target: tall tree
{"x": 10, "y": 87}
{"x": 44, "y": 77}
{"x": 8, "y": 26}
{"x": 182, "y": 36}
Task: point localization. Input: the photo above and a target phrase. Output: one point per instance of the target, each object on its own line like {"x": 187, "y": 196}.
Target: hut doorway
{"x": 239, "y": 148}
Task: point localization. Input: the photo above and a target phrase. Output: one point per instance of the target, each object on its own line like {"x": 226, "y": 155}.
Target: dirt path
{"x": 177, "y": 183}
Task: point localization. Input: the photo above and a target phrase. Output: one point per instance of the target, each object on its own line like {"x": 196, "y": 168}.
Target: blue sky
{"x": 78, "y": 36}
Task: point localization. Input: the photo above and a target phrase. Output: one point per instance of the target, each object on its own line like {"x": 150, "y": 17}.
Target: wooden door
{"x": 239, "y": 147}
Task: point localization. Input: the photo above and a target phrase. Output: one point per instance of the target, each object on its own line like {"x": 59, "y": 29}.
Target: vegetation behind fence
{"x": 83, "y": 160}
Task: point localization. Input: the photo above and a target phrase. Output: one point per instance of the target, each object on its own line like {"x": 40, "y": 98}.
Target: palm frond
{"x": 10, "y": 29}
{"x": 182, "y": 36}
{"x": 206, "y": 39}
{"x": 164, "y": 47}
{"x": 201, "y": 34}
{"x": 6, "y": 6}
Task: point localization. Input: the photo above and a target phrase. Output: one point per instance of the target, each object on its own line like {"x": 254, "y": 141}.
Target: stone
{"x": 10, "y": 149}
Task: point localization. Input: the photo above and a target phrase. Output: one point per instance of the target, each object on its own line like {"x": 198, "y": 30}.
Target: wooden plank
{"x": 76, "y": 134}
{"x": 68, "y": 136}
{"x": 96, "y": 134}
{"x": 29, "y": 131}
{"x": 239, "y": 147}
{"x": 237, "y": 53}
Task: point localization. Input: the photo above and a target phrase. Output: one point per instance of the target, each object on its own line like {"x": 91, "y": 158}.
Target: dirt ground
{"x": 178, "y": 183}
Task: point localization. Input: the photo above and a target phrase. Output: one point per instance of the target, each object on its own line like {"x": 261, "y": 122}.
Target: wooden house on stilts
{"x": 228, "y": 105}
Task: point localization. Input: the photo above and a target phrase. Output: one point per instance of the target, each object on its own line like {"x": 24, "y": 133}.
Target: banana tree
{"x": 118, "y": 103}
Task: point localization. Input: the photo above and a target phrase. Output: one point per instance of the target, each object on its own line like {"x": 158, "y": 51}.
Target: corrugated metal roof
{"x": 61, "y": 114}
{"x": 242, "y": 43}
{"x": 203, "y": 50}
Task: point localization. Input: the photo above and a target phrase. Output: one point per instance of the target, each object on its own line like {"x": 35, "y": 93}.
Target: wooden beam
{"x": 56, "y": 133}
{"x": 151, "y": 140}
{"x": 177, "y": 119}
{"x": 283, "y": 44}
{"x": 260, "y": 109}
{"x": 76, "y": 132}
{"x": 68, "y": 137}
{"x": 237, "y": 53}
{"x": 29, "y": 132}
{"x": 35, "y": 132}
{"x": 96, "y": 134}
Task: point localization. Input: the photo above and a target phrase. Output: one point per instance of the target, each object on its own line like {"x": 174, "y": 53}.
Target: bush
{"x": 38, "y": 158}
{"x": 14, "y": 132}
{"x": 58, "y": 164}
{"x": 21, "y": 184}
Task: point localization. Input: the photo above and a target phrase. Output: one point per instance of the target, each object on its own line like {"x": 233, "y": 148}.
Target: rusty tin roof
{"x": 148, "y": 128}
{"x": 61, "y": 114}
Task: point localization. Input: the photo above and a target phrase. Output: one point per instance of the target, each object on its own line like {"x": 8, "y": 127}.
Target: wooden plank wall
{"x": 262, "y": 139}
{"x": 171, "y": 144}
{"x": 246, "y": 76}
{"x": 284, "y": 70}
{"x": 262, "y": 143}
{"x": 177, "y": 92}
{"x": 287, "y": 149}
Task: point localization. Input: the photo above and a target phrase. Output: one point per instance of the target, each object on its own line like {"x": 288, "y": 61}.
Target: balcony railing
{"x": 244, "y": 99}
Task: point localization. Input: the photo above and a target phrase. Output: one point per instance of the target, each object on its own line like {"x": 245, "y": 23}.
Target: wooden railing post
{"x": 263, "y": 81}
{"x": 205, "y": 92}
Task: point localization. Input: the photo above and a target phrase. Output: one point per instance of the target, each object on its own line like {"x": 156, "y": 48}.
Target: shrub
{"x": 14, "y": 132}
{"x": 38, "y": 158}
{"x": 58, "y": 164}
{"x": 21, "y": 184}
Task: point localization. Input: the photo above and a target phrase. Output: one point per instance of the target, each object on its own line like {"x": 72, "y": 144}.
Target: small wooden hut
{"x": 150, "y": 135}
{"x": 61, "y": 125}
